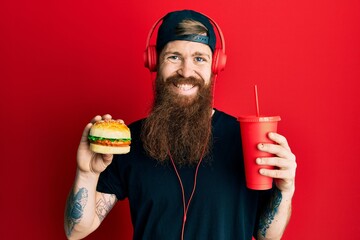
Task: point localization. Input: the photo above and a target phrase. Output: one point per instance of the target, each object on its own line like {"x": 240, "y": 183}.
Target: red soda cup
{"x": 255, "y": 130}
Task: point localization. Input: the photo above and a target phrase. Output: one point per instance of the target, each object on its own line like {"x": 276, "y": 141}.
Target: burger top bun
{"x": 110, "y": 129}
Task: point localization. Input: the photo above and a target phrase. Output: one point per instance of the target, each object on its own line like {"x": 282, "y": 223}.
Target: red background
{"x": 62, "y": 62}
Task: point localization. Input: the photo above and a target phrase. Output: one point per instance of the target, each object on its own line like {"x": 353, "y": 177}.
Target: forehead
{"x": 186, "y": 47}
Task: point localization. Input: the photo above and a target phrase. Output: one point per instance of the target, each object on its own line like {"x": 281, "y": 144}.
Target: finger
{"x": 279, "y": 139}
{"x": 107, "y": 117}
{"x": 275, "y": 173}
{"x": 84, "y": 136}
{"x": 275, "y": 149}
{"x": 96, "y": 119}
{"x": 107, "y": 158}
{"x": 120, "y": 120}
{"x": 273, "y": 161}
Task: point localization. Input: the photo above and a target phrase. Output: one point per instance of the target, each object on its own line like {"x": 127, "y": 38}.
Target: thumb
{"x": 107, "y": 158}
{"x": 84, "y": 136}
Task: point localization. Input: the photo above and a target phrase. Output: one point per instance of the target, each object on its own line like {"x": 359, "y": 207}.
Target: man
{"x": 184, "y": 176}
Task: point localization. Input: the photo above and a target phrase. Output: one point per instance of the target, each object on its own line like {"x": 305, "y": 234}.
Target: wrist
{"x": 288, "y": 193}
{"x": 287, "y": 189}
{"x": 88, "y": 177}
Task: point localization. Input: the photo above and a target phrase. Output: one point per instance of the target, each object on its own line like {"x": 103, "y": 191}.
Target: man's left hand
{"x": 283, "y": 160}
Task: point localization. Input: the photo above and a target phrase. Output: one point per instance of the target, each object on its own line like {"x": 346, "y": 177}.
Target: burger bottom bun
{"x": 109, "y": 149}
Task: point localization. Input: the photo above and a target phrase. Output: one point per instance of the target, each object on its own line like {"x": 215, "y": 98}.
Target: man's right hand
{"x": 87, "y": 160}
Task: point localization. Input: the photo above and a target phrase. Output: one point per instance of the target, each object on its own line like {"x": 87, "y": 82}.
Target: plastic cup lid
{"x": 252, "y": 118}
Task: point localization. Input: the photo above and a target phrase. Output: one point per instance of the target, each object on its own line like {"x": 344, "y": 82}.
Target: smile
{"x": 185, "y": 88}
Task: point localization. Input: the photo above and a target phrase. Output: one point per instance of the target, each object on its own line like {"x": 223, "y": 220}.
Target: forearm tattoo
{"x": 270, "y": 212}
{"x": 75, "y": 208}
{"x": 104, "y": 205}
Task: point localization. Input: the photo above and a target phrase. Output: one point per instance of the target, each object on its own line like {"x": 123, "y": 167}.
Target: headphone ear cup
{"x": 150, "y": 58}
{"x": 219, "y": 61}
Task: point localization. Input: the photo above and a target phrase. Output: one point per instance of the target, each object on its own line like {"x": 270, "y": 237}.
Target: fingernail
{"x": 258, "y": 160}
{"x": 261, "y": 145}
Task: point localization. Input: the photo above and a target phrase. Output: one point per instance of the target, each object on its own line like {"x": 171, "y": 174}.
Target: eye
{"x": 200, "y": 59}
{"x": 173, "y": 58}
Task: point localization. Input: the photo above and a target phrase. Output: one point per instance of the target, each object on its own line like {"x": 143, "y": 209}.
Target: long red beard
{"x": 180, "y": 125}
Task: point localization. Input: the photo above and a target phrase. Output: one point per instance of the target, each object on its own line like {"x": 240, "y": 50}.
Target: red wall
{"x": 62, "y": 62}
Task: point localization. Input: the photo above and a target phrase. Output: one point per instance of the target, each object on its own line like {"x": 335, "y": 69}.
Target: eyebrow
{"x": 202, "y": 54}
{"x": 197, "y": 54}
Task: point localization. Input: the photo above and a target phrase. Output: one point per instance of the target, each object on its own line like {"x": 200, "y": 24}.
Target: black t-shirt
{"x": 222, "y": 207}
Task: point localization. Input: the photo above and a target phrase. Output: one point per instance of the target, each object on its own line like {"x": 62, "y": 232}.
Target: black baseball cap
{"x": 167, "y": 29}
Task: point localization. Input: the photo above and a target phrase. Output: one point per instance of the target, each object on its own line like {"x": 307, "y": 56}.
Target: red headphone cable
{"x": 186, "y": 206}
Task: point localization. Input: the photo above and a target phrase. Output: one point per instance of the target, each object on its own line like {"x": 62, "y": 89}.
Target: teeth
{"x": 185, "y": 87}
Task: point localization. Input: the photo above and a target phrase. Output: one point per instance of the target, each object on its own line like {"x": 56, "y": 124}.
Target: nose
{"x": 186, "y": 69}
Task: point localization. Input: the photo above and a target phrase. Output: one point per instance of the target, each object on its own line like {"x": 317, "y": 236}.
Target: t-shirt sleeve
{"x": 111, "y": 180}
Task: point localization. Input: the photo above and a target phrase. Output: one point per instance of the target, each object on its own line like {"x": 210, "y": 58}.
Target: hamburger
{"x": 110, "y": 137}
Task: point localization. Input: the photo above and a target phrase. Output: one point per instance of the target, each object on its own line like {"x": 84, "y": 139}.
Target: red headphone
{"x": 219, "y": 56}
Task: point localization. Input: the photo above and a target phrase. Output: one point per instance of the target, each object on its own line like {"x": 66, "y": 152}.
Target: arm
{"x": 276, "y": 216}
{"x": 85, "y": 207}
